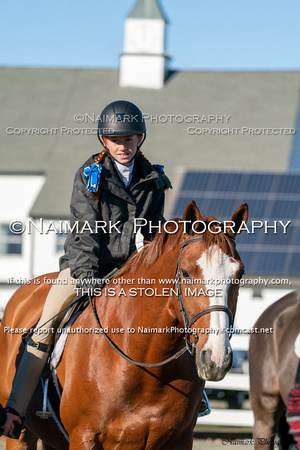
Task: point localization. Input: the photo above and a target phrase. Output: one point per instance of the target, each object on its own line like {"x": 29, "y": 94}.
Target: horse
{"x": 133, "y": 374}
{"x": 272, "y": 369}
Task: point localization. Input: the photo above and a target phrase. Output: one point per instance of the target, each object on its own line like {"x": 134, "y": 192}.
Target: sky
{"x": 201, "y": 35}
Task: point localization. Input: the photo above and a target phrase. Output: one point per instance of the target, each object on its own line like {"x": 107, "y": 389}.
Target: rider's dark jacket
{"x": 95, "y": 254}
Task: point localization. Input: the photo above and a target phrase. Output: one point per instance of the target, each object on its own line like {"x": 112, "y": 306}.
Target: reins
{"x": 188, "y": 322}
{"x": 121, "y": 353}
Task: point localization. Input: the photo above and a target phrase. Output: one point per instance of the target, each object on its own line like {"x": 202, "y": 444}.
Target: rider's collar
{"x": 125, "y": 172}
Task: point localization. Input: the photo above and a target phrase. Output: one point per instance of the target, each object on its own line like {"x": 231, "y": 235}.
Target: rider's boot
{"x": 27, "y": 377}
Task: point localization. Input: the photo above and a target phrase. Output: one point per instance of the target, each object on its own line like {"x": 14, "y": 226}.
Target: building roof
{"x": 147, "y": 9}
{"x": 229, "y": 113}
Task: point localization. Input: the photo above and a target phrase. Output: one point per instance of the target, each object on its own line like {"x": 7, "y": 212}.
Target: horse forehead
{"x": 217, "y": 263}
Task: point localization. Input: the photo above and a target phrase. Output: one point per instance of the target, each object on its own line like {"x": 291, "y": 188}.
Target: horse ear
{"x": 191, "y": 214}
{"x": 239, "y": 217}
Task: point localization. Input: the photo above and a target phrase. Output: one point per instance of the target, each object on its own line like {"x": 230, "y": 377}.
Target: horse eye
{"x": 185, "y": 273}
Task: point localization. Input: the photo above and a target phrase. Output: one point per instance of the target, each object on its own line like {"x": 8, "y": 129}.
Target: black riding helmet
{"x": 121, "y": 118}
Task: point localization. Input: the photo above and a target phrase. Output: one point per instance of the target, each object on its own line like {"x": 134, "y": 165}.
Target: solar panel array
{"x": 271, "y": 197}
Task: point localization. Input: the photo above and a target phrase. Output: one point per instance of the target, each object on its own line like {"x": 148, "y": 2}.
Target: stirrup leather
{"x": 44, "y": 414}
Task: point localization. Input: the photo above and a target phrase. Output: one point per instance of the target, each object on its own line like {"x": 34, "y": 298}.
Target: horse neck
{"x": 162, "y": 269}
{"x": 153, "y": 312}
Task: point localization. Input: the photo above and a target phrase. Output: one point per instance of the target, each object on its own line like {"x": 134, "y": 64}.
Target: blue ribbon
{"x": 159, "y": 168}
{"x": 92, "y": 175}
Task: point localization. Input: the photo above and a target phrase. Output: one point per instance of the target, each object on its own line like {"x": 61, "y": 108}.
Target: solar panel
{"x": 271, "y": 197}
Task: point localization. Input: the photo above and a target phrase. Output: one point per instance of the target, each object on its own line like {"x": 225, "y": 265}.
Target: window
{"x": 60, "y": 240}
{"x": 10, "y": 243}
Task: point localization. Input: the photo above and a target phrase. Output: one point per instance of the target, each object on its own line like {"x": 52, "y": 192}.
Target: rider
{"x": 114, "y": 187}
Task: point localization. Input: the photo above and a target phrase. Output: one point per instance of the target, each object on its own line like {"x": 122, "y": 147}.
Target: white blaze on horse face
{"x": 217, "y": 268}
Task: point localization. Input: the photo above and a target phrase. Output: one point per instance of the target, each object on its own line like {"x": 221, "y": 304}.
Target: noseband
{"x": 188, "y": 322}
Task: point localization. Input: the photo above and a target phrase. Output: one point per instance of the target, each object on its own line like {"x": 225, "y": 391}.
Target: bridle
{"x": 188, "y": 322}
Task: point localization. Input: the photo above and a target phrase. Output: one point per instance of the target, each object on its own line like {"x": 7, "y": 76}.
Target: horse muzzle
{"x": 210, "y": 370}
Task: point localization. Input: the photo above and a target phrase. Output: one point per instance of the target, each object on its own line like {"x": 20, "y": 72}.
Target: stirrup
{"x": 204, "y": 409}
{"x": 44, "y": 414}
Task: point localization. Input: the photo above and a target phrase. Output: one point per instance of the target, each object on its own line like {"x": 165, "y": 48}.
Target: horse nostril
{"x": 205, "y": 356}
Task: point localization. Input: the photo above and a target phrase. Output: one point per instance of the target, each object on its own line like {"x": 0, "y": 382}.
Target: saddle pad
{"x": 61, "y": 341}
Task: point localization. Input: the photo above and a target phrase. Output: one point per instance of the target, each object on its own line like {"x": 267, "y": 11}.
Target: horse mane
{"x": 153, "y": 250}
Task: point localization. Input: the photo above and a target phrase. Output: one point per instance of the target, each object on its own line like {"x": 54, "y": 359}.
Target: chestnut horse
{"x": 272, "y": 367}
{"x": 109, "y": 402}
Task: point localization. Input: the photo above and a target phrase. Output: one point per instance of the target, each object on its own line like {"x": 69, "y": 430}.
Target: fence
{"x": 229, "y": 417}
